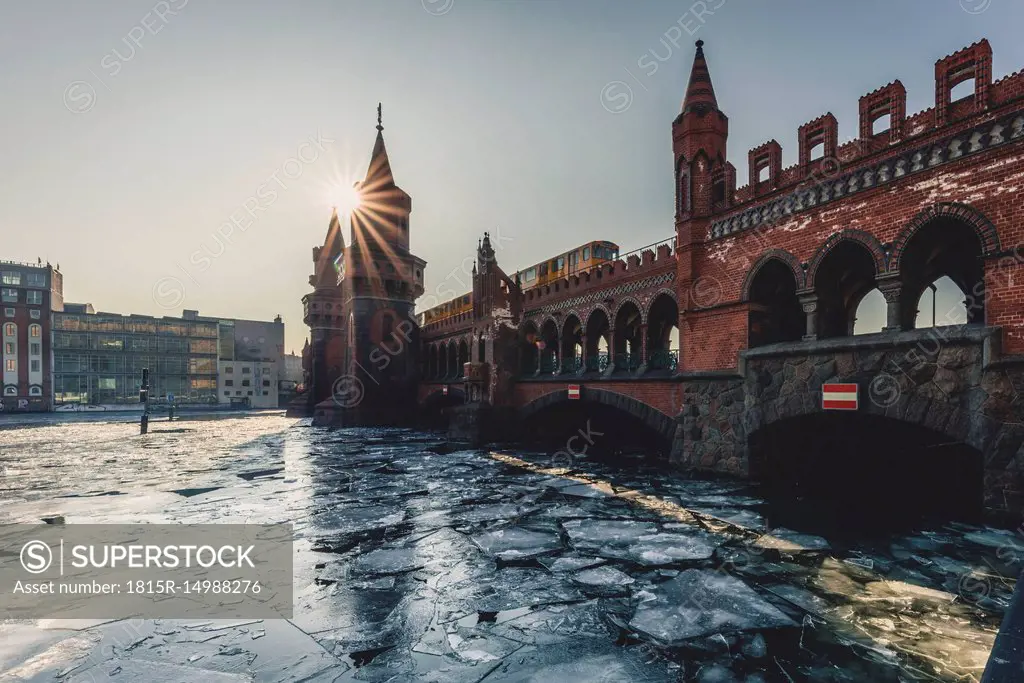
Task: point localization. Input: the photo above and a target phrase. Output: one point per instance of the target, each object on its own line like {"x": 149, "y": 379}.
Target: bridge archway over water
{"x": 851, "y": 470}
{"x": 614, "y": 421}
{"x": 432, "y": 410}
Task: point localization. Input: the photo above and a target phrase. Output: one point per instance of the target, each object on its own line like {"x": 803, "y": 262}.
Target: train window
{"x": 543, "y": 269}
{"x": 561, "y": 263}
{"x": 586, "y": 253}
{"x": 573, "y": 257}
{"x": 529, "y": 275}
{"x": 465, "y": 299}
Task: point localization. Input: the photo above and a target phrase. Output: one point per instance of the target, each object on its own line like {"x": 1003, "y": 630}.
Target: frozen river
{"x": 416, "y": 562}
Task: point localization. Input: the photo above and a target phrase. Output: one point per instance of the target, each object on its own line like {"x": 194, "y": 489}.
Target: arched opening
{"x": 572, "y": 344}
{"x": 627, "y": 337}
{"x": 594, "y": 427}
{"x": 942, "y": 303}
{"x": 481, "y": 349}
{"x": 775, "y": 311}
{"x": 463, "y": 358}
{"x": 453, "y": 360}
{"x": 433, "y": 413}
{"x": 845, "y": 275}
{"x": 598, "y": 330}
{"x": 834, "y": 472}
{"x": 430, "y": 362}
{"x": 548, "y": 347}
{"x": 528, "y": 352}
{"x": 962, "y": 90}
{"x": 881, "y": 124}
{"x": 871, "y": 314}
{"x": 817, "y": 151}
{"x": 663, "y": 334}
{"x": 442, "y": 361}
{"x": 949, "y": 251}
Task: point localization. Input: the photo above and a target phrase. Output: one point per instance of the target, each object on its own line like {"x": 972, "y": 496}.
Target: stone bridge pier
{"x": 931, "y": 402}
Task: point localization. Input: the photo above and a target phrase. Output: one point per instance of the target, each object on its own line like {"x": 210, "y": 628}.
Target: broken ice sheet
{"x": 388, "y": 561}
{"x": 477, "y": 648}
{"x": 701, "y": 602}
{"x": 591, "y": 533}
{"x": 503, "y": 590}
{"x": 516, "y": 543}
{"x": 662, "y": 549}
{"x": 788, "y": 540}
{"x": 570, "y": 563}
{"x": 603, "y": 576}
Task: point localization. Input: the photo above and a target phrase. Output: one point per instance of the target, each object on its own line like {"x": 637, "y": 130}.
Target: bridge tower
{"x": 378, "y": 282}
{"x": 704, "y": 182}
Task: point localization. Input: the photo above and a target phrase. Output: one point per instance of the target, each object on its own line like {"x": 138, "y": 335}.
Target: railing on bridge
{"x": 549, "y": 364}
{"x": 664, "y": 359}
{"x": 598, "y": 363}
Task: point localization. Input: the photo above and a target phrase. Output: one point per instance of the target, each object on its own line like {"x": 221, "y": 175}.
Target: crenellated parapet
{"x": 951, "y": 130}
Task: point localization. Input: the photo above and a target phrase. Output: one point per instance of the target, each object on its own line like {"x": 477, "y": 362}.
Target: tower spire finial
{"x": 700, "y": 94}
{"x": 380, "y": 126}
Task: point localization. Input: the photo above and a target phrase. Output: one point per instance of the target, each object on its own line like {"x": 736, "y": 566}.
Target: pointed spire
{"x": 700, "y": 93}
{"x": 380, "y": 166}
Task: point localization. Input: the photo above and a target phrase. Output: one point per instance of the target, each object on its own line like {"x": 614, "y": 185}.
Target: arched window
{"x": 10, "y": 390}
{"x": 35, "y": 331}
{"x": 10, "y": 330}
{"x": 35, "y": 391}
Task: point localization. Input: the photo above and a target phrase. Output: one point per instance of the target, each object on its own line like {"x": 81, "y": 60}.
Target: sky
{"x": 134, "y": 130}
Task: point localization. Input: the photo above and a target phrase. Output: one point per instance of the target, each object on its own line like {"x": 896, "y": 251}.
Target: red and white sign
{"x": 444, "y": 391}
{"x": 574, "y": 392}
{"x": 839, "y": 396}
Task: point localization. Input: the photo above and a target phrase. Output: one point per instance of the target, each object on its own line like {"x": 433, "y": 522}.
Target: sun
{"x": 346, "y": 199}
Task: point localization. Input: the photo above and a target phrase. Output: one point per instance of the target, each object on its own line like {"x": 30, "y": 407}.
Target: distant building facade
{"x": 28, "y": 295}
{"x": 251, "y": 362}
{"x": 99, "y": 357}
{"x": 197, "y": 360}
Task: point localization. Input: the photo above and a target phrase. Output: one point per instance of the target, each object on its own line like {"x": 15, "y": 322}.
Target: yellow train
{"x": 458, "y": 305}
{"x": 563, "y": 265}
{"x": 573, "y": 261}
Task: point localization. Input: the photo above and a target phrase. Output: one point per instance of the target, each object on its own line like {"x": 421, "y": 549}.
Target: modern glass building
{"x": 98, "y": 358}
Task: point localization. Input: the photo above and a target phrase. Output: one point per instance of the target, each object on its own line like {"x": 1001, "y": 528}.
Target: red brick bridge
{"x": 718, "y": 340}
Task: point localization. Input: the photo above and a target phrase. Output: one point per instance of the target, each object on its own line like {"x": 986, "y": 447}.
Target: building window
{"x": 34, "y": 297}
{"x": 33, "y": 365}
{"x": 229, "y": 370}
{"x": 9, "y": 312}
{"x": 9, "y": 349}
{"x": 266, "y": 371}
{"x": 245, "y": 371}
{"x": 266, "y": 382}
{"x": 11, "y": 365}
{"x": 238, "y": 393}
{"x": 266, "y": 393}
{"x": 35, "y": 331}
{"x": 227, "y": 393}
{"x": 35, "y": 391}
{"x": 249, "y": 393}
{"x": 245, "y": 383}
{"x": 34, "y": 313}
{"x": 10, "y": 391}
{"x": 35, "y": 349}
{"x": 10, "y": 330}
{"x": 11, "y": 278}
{"x": 35, "y": 280}
{"x": 229, "y": 382}
{"x": 9, "y": 295}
